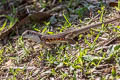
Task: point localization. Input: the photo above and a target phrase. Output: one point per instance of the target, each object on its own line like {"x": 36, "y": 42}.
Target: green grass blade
{"x": 3, "y": 25}
{"x": 119, "y": 4}
{"x": 67, "y": 20}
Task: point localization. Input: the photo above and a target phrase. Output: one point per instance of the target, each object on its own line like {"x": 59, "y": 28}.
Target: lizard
{"x": 37, "y": 17}
{"x": 63, "y": 37}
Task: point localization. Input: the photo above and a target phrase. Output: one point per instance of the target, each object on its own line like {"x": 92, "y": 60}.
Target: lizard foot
{"x": 71, "y": 41}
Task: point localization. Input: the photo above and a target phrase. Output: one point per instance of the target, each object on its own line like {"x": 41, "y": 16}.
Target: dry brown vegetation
{"x": 95, "y": 55}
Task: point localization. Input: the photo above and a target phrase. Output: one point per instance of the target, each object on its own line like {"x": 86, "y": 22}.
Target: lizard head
{"x": 32, "y": 35}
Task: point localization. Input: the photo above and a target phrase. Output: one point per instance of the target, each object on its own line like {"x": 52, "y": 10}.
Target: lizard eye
{"x": 28, "y": 32}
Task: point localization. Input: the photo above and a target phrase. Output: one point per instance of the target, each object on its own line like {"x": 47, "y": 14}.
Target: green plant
{"x": 119, "y": 4}
{"x": 81, "y": 11}
{"x": 69, "y": 24}
{"x": 1, "y": 56}
{"x": 3, "y": 26}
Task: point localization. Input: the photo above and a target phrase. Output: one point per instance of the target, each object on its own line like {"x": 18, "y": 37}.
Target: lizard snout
{"x": 32, "y": 35}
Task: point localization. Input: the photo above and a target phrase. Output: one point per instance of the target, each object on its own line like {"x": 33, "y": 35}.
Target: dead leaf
{"x": 39, "y": 16}
{"x": 35, "y": 17}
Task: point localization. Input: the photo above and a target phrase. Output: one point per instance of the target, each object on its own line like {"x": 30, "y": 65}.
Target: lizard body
{"x": 64, "y": 37}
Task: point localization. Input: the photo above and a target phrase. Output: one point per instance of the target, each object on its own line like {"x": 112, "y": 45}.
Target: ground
{"x": 95, "y": 55}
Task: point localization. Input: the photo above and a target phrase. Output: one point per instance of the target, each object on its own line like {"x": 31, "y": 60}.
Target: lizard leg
{"x": 71, "y": 41}
{"x": 49, "y": 46}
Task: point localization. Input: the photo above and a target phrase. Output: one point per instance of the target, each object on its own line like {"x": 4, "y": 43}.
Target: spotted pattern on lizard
{"x": 64, "y": 37}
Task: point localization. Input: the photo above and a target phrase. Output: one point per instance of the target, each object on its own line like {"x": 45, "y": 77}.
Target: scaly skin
{"x": 64, "y": 37}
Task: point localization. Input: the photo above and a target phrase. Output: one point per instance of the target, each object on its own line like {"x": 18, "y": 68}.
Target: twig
{"x": 93, "y": 19}
{"x": 26, "y": 68}
{"x": 110, "y": 41}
